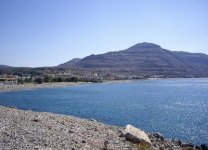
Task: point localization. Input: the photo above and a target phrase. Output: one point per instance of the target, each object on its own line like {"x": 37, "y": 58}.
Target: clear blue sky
{"x": 49, "y": 32}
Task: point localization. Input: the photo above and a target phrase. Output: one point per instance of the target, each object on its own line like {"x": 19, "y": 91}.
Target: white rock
{"x": 136, "y": 135}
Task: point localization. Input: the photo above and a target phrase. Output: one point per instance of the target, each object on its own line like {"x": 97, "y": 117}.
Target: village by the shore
{"x": 17, "y": 83}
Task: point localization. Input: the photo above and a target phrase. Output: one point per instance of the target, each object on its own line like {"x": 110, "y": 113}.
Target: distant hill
{"x": 146, "y": 59}
{"x": 4, "y": 66}
{"x": 70, "y": 63}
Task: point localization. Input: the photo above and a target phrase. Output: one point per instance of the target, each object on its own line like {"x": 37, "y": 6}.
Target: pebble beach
{"x": 28, "y": 130}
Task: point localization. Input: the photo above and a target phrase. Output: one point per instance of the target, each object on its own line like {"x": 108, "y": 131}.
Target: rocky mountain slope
{"x": 146, "y": 59}
{"x": 70, "y": 63}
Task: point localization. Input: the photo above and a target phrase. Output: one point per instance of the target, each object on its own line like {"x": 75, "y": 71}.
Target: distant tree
{"x": 68, "y": 79}
{"x": 74, "y": 79}
{"x": 28, "y": 79}
{"x": 60, "y": 79}
{"x": 31, "y": 79}
{"x": 146, "y": 76}
{"x": 38, "y": 80}
{"x": 47, "y": 79}
{"x": 20, "y": 81}
{"x": 55, "y": 79}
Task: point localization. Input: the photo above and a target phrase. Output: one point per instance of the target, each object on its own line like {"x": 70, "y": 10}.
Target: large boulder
{"x": 136, "y": 135}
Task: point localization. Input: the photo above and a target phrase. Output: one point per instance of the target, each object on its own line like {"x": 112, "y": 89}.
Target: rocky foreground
{"x": 27, "y": 130}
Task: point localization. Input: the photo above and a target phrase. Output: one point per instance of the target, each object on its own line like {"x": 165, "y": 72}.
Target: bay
{"x": 177, "y": 108}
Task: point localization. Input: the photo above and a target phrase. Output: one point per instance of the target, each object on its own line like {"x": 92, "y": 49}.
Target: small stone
{"x": 105, "y": 145}
{"x": 188, "y": 145}
{"x": 47, "y": 148}
{"x": 12, "y": 107}
{"x": 36, "y": 120}
{"x": 179, "y": 142}
{"x": 36, "y": 147}
{"x": 83, "y": 141}
{"x": 121, "y": 133}
{"x": 160, "y": 136}
{"x": 70, "y": 131}
{"x": 49, "y": 127}
{"x": 91, "y": 119}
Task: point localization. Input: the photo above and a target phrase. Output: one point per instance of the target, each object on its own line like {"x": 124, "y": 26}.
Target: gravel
{"x": 28, "y": 130}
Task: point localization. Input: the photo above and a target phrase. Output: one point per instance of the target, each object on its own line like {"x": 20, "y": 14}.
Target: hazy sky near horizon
{"x": 49, "y": 32}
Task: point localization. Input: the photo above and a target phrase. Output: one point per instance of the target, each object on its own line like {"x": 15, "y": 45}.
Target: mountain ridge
{"x": 147, "y": 59}
{"x": 70, "y": 63}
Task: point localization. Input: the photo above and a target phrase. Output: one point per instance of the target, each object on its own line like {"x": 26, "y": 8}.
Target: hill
{"x": 4, "y": 66}
{"x": 146, "y": 59}
{"x": 70, "y": 63}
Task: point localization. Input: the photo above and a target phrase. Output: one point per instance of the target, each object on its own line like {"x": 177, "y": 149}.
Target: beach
{"x": 21, "y": 129}
{"x": 26, "y": 86}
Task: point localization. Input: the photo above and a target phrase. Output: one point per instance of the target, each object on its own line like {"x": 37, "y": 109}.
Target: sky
{"x": 36, "y": 33}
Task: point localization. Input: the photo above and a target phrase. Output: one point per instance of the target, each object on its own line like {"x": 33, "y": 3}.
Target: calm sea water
{"x": 177, "y": 108}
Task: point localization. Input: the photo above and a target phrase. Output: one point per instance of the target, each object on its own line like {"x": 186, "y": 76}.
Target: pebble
{"x": 30, "y": 130}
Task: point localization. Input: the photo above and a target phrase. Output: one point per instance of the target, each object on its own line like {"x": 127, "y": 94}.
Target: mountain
{"x": 70, "y": 63}
{"x": 146, "y": 59}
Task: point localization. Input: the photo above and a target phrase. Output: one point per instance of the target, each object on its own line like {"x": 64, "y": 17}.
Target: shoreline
{"x": 29, "y": 86}
{"x": 23, "y": 129}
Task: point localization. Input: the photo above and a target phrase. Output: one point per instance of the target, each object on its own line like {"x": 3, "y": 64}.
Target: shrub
{"x": 38, "y": 80}
{"x": 47, "y": 79}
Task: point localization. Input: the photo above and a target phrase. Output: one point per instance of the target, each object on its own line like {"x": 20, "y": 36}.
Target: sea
{"x": 177, "y": 108}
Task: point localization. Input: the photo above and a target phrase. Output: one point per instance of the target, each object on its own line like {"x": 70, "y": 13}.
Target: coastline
{"x": 23, "y": 129}
{"x": 28, "y": 86}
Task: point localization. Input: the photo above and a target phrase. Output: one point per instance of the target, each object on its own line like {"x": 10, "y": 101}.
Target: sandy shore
{"x": 28, "y": 130}
{"x": 26, "y": 86}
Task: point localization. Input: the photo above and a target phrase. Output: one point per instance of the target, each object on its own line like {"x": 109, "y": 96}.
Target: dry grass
{"x": 144, "y": 146}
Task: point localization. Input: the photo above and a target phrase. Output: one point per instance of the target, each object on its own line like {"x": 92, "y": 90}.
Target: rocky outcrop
{"x": 136, "y": 135}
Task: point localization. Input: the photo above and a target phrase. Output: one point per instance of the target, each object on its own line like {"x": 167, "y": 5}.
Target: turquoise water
{"x": 177, "y": 108}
